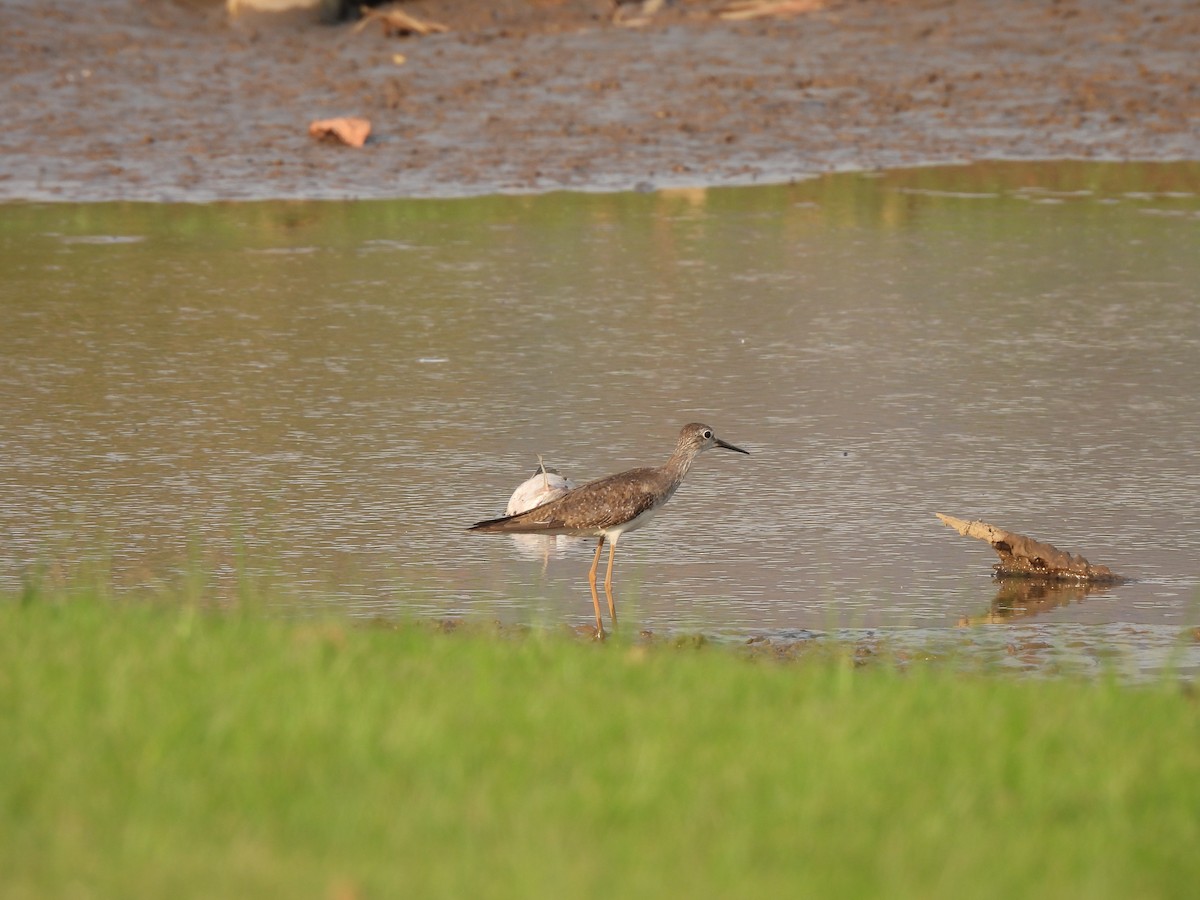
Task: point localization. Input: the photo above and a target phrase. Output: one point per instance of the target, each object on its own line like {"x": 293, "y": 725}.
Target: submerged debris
{"x": 1024, "y": 557}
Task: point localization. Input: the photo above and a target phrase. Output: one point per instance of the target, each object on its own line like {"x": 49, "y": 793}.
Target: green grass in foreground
{"x": 172, "y": 753}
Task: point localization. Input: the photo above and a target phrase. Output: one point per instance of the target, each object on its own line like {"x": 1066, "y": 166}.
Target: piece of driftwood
{"x": 739, "y": 10}
{"x": 1023, "y": 557}
{"x": 635, "y": 13}
{"x": 395, "y": 22}
{"x": 350, "y": 131}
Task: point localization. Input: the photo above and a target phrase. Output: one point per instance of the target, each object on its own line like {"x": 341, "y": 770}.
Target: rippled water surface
{"x": 323, "y": 395}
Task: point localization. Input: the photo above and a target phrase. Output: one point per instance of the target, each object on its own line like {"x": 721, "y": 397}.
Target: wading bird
{"x": 610, "y": 506}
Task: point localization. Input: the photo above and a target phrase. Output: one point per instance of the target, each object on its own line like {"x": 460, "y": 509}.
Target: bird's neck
{"x": 678, "y": 465}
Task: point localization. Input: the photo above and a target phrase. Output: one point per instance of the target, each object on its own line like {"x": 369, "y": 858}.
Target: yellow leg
{"x": 612, "y": 603}
{"x": 592, "y": 585}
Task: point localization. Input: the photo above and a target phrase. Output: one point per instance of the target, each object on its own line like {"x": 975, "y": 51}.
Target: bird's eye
{"x": 707, "y": 434}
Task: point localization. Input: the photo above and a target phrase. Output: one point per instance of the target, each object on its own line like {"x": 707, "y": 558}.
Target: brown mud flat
{"x": 162, "y": 100}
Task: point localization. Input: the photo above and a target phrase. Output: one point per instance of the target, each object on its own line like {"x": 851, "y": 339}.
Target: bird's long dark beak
{"x": 726, "y": 445}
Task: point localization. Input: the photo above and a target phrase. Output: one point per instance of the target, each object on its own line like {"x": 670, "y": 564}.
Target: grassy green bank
{"x": 164, "y": 752}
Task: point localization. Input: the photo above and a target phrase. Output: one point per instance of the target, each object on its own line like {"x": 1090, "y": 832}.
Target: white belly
{"x": 636, "y": 522}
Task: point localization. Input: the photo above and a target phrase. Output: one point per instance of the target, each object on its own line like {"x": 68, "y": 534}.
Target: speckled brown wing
{"x": 609, "y": 501}
{"x": 588, "y": 509}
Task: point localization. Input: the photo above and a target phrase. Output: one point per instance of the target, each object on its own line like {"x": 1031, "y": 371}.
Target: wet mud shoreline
{"x": 168, "y": 101}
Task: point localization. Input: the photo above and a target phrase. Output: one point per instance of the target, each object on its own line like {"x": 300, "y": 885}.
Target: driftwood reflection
{"x": 1019, "y": 598}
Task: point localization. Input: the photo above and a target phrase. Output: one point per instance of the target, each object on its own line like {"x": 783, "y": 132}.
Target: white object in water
{"x": 542, "y": 487}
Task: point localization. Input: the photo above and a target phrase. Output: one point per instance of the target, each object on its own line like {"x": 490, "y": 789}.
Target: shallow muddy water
{"x": 324, "y": 395}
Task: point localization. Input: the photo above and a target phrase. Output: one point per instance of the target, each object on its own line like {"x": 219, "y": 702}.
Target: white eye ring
{"x": 707, "y": 434}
